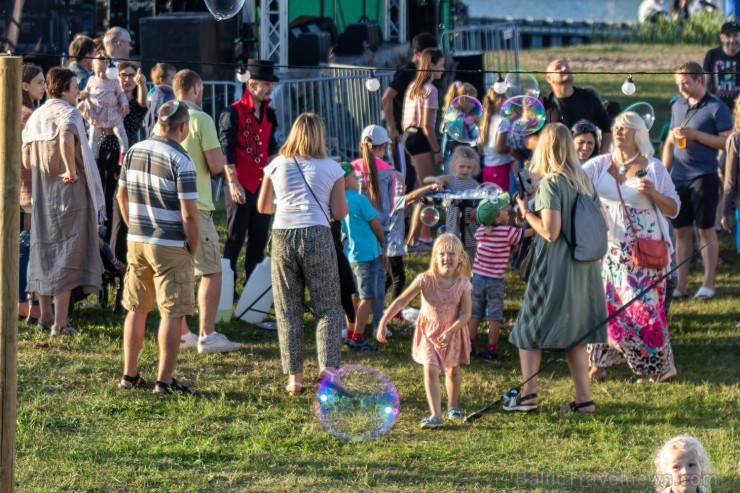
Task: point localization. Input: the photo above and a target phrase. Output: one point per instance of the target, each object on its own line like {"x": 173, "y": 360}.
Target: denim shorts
{"x": 366, "y": 277}
{"x": 488, "y": 297}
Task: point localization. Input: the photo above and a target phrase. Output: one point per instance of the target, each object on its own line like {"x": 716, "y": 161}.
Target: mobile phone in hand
{"x": 523, "y": 183}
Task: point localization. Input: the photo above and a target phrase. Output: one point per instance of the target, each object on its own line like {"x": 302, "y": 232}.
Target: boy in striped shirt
{"x": 495, "y": 240}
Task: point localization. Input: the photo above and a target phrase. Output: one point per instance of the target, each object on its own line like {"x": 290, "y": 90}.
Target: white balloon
{"x": 372, "y": 84}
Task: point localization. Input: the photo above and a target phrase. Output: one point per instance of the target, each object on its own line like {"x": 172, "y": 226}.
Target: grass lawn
{"x": 77, "y": 431}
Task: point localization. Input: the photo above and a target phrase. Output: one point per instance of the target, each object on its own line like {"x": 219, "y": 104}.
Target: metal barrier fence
{"x": 498, "y": 42}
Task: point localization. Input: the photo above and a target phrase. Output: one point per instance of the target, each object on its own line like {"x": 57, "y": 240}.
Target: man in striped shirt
{"x": 495, "y": 239}
{"x": 157, "y": 196}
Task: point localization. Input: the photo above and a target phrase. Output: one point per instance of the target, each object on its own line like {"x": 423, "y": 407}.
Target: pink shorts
{"x": 499, "y": 175}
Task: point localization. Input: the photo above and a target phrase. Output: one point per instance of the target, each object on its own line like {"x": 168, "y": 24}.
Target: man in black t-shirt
{"x": 393, "y": 97}
{"x": 567, "y": 104}
{"x": 724, "y": 64}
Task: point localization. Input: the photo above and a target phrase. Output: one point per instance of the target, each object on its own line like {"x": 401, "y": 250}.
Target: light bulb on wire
{"x": 500, "y": 86}
{"x": 628, "y": 88}
{"x": 111, "y": 73}
{"x": 242, "y": 74}
{"x": 372, "y": 84}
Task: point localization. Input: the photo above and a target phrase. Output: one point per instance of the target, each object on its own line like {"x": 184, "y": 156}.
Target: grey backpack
{"x": 588, "y": 232}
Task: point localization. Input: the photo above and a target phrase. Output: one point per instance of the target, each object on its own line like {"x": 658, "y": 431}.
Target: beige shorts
{"x": 208, "y": 255}
{"x": 162, "y": 272}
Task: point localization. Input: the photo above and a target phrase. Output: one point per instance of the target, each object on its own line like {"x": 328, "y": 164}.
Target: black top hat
{"x": 262, "y": 70}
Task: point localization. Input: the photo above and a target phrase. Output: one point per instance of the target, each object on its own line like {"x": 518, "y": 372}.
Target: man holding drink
{"x": 700, "y": 125}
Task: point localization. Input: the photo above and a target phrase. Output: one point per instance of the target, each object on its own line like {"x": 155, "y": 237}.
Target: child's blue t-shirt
{"x": 362, "y": 244}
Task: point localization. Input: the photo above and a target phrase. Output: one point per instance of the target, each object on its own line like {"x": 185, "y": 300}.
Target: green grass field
{"x": 77, "y": 431}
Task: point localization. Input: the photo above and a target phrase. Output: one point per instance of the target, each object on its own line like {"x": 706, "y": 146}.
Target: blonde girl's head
{"x": 459, "y": 88}
{"x": 307, "y": 138}
{"x": 429, "y": 68}
{"x": 465, "y": 162}
{"x": 450, "y": 243}
{"x": 682, "y": 451}
{"x": 491, "y": 106}
{"x": 555, "y": 155}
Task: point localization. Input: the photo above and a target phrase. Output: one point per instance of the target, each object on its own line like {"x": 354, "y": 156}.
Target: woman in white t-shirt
{"x": 496, "y": 165}
{"x": 307, "y": 189}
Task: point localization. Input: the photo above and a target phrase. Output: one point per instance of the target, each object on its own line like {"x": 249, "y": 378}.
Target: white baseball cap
{"x": 377, "y": 134}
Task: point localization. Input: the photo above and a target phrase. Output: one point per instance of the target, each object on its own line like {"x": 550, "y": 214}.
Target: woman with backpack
{"x": 564, "y": 297}
{"x": 639, "y": 197}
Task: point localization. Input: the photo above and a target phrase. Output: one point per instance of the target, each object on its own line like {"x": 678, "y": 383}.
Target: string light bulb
{"x": 628, "y": 88}
{"x": 111, "y": 73}
{"x": 372, "y": 84}
{"x": 242, "y": 74}
{"x": 500, "y": 86}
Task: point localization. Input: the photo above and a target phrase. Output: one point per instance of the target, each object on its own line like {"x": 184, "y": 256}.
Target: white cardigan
{"x": 598, "y": 166}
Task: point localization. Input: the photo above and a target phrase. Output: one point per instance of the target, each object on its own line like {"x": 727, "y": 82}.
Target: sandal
{"x": 67, "y": 330}
{"x": 578, "y": 408}
{"x": 168, "y": 388}
{"x": 128, "y": 382}
{"x": 597, "y": 374}
{"x": 704, "y": 293}
{"x": 515, "y": 404}
{"x": 664, "y": 377}
{"x": 294, "y": 388}
{"x": 41, "y": 325}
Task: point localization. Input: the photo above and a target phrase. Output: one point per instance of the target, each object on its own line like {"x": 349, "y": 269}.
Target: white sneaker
{"x": 218, "y": 344}
{"x": 191, "y": 343}
{"x": 344, "y": 333}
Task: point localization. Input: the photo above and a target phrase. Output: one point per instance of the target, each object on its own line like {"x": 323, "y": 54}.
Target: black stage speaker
{"x": 309, "y": 48}
{"x": 315, "y": 24}
{"x": 352, "y": 40}
{"x": 471, "y": 60}
{"x": 191, "y": 40}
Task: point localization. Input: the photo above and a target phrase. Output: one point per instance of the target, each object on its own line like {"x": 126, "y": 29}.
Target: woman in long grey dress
{"x": 66, "y": 205}
{"x": 564, "y": 297}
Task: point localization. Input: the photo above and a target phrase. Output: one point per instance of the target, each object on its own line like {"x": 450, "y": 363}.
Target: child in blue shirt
{"x": 366, "y": 254}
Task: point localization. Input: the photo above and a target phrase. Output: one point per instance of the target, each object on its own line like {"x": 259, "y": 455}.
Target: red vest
{"x": 252, "y": 138}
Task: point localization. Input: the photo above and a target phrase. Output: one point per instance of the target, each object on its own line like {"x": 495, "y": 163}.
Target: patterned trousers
{"x": 306, "y": 258}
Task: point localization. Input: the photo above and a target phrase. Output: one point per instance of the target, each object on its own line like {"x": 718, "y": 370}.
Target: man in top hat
{"x": 722, "y": 64}
{"x": 247, "y": 135}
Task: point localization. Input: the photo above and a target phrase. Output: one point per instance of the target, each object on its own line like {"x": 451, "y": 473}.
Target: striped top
{"x": 157, "y": 173}
{"x": 494, "y": 247}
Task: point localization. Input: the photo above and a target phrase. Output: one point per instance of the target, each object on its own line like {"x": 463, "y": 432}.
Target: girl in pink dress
{"x": 104, "y": 104}
{"x": 441, "y": 340}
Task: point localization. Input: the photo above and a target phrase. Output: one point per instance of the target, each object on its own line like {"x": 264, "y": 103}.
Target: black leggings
{"x": 396, "y": 276}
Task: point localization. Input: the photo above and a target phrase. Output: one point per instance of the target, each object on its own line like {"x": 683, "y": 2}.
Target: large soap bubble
{"x": 523, "y": 115}
{"x": 357, "y": 403}
{"x": 645, "y": 111}
{"x": 158, "y": 95}
{"x": 224, "y": 9}
{"x": 429, "y": 216}
{"x": 519, "y": 83}
{"x": 461, "y": 119}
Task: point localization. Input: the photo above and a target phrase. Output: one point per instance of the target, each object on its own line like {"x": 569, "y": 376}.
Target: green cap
{"x": 347, "y": 168}
{"x": 487, "y": 210}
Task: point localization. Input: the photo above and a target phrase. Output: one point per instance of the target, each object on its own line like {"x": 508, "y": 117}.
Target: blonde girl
{"x": 420, "y": 106}
{"x": 682, "y": 466}
{"x": 441, "y": 339}
{"x": 465, "y": 165}
{"x": 457, "y": 88}
{"x": 498, "y": 162}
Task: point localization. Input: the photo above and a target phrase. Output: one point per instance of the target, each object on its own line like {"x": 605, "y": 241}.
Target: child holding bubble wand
{"x": 104, "y": 105}
{"x": 465, "y": 165}
{"x": 441, "y": 339}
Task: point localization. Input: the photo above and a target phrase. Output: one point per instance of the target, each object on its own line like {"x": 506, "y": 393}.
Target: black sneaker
{"x": 488, "y": 355}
